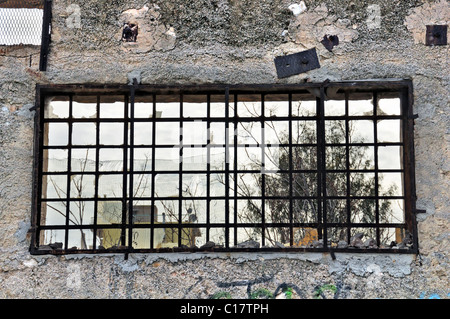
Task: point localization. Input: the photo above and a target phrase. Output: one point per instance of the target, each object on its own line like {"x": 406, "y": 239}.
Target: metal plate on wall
{"x": 296, "y": 63}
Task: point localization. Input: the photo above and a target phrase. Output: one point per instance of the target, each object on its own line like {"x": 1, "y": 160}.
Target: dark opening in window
{"x": 312, "y": 167}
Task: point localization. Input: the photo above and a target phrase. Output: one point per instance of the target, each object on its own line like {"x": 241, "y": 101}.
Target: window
{"x": 21, "y": 22}
{"x": 310, "y": 167}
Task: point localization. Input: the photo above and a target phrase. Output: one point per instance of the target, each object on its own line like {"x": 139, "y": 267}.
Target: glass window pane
{"x": 360, "y": 107}
{"x": 390, "y": 157}
{"x": 81, "y": 213}
{"x": 277, "y": 211}
{"x": 54, "y": 186}
{"x": 111, "y": 159}
{"x": 53, "y": 213}
{"x": 389, "y": 131}
{"x": 276, "y": 132}
{"x": 165, "y": 109}
{"x": 195, "y": 133}
{"x": 143, "y": 106}
{"x": 304, "y": 132}
{"x": 167, "y": 159}
{"x": 112, "y": 107}
{"x": 83, "y": 160}
{"x": 249, "y": 105}
{"x": 304, "y": 210}
{"x": 57, "y": 107}
{"x": 390, "y": 184}
{"x": 84, "y": 107}
{"x": 142, "y": 159}
{"x": 361, "y": 157}
{"x": 82, "y": 186}
{"x": 334, "y": 107}
{"x": 109, "y": 212}
{"x": 194, "y": 106}
{"x": 194, "y": 185}
{"x": 361, "y": 131}
{"x": 362, "y": 184}
{"x": 303, "y": 105}
{"x": 249, "y": 133}
{"x": 84, "y": 133}
{"x": 276, "y": 105}
{"x": 111, "y": 133}
{"x": 167, "y": 185}
{"x": 249, "y": 158}
{"x": 142, "y": 185}
{"x": 110, "y": 186}
{"x": 389, "y": 106}
{"x": 143, "y": 133}
{"x": 55, "y": 160}
{"x": 217, "y": 211}
{"x": 167, "y": 133}
{"x": 168, "y": 211}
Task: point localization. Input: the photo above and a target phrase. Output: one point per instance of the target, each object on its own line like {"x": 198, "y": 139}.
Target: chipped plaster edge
{"x": 396, "y": 265}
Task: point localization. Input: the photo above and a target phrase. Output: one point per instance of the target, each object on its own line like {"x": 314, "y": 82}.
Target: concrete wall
{"x": 229, "y": 41}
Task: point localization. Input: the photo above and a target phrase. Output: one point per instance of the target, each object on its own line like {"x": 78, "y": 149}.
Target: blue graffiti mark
{"x": 423, "y": 295}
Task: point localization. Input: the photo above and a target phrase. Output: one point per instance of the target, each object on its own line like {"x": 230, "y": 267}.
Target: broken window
{"x": 312, "y": 167}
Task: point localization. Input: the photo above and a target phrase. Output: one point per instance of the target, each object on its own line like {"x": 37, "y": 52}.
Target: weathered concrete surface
{"x": 227, "y": 41}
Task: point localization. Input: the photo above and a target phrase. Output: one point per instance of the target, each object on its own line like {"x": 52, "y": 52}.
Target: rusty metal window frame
{"x": 231, "y": 224}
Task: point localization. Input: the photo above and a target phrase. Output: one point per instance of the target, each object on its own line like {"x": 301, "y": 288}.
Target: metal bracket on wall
{"x": 296, "y": 63}
{"x": 436, "y": 35}
{"x": 46, "y": 33}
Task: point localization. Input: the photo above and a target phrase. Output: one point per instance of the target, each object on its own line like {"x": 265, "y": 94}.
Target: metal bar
{"x": 291, "y": 176}
{"x": 263, "y": 175}
{"x": 97, "y": 175}
{"x": 347, "y": 166}
{"x": 322, "y": 165}
{"x": 153, "y": 208}
{"x": 180, "y": 175}
{"x": 130, "y": 116}
{"x": 227, "y": 168}
{"x": 377, "y": 191}
{"x": 125, "y": 175}
{"x": 235, "y": 167}
{"x": 208, "y": 165}
{"x": 46, "y": 35}
{"x": 37, "y": 169}
{"x": 69, "y": 179}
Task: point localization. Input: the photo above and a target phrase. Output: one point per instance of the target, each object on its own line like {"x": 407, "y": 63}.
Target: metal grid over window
{"x": 21, "y": 22}
{"x": 312, "y": 167}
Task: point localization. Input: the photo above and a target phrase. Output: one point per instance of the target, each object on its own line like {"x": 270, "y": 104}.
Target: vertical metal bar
{"x": 227, "y": 167}
{"x": 153, "y": 208}
{"x": 347, "y": 166}
{"x": 130, "y": 147}
{"x": 320, "y": 149}
{"x": 180, "y": 176}
{"x": 407, "y": 101}
{"x": 291, "y": 179}
{"x": 69, "y": 179}
{"x": 235, "y": 167}
{"x": 377, "y": 200}
{"x": 124, "y": 174}
{"x": 323, "y": 165}
{"x": 208, "y": 165}
{"x": 263, "y": 175}
{"x": 46, "y": 35}
{"x": 97, "y": 174}
{"x": 37, "y": 168}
